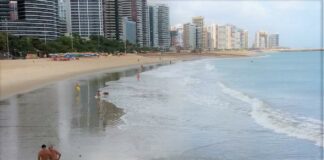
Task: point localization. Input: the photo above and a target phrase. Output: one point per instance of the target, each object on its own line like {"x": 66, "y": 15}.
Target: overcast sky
{"x": 297, "y": 22}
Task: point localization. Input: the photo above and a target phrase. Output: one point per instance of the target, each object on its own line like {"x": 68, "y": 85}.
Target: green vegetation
{"x": 20, "y": 46}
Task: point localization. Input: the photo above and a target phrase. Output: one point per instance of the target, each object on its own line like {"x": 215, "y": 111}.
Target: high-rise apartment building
{"x": 213, "y": 30}
{"x": 235, "y": 37}
{"x": 173, "y": 38}
{"x": 112, "y": 25}
{"x": 37, "y": 18}
{"x": 86, "y": 17}
{"x": 261, "y": 40}
{"x": 224, "y": 37}
{"x": 139, "y": 22}
{"x": 153, "y": 21}
{"x": 135, "y": 10}
{"x": 9, "y": 10}
{"x": 273, "y": 40}
{"x": 146, "y": 24}
{"x": 177, "y": 36}
{"x": 63, "y": 10}
{"x": 244, "y": 39}
{"x": 164, "y": 26}
{"x": 199, "y": 22}
{"x": 189, "y": 36}
{"x": 207, "y": 38}
{"x": 129, "y": 31}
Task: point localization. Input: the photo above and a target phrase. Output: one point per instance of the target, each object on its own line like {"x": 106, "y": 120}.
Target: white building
{"x": 235, "y": 38}
{"x": 244, "y": 39}
{"x": 213, "y": 29}
{"x": 224, "y": 37}
{"x": 261, "y": 40}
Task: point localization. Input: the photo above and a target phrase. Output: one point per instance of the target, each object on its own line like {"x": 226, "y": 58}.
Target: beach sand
{"x": 18, "y": 76}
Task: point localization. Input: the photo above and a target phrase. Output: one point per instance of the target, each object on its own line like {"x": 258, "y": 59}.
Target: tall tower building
{"x": 139, "y": 22}
{"x": 224, "y": 38}
{"x": 153, "y": 21}
{"x": 146, "y": 25}
{"x": 64, "y": 13}
{"x": 189, "y": 36}
{"x": 114, "y": 11}
{"x": 164, "y": 26}
{"x": 111, "y": 19}
{"x": 261, "y": 40}
{"x": 178, "y": 35}
{"x": 213, "y": 29}
{"x": 129, "y": 31}
{"x": 207, "y": 38}
{"x": 244, "y": 39}
{"x": 273, "y": 40}
{"x": 86, "y": 17}
{"x": 235, "y": 37}
{"x": 199, "y": 22}
{"x": 27, "y": 18}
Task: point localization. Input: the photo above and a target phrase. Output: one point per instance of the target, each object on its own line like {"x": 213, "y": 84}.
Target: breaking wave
{"x": 279, "y": 122}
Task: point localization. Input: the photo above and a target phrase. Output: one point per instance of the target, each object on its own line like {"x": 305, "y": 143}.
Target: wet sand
{"x": 75, "y": 122}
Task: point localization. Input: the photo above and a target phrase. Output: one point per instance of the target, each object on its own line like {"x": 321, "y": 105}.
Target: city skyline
{"x": 285, "y": 18}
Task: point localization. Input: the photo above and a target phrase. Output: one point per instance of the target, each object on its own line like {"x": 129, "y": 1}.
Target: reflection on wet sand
{"x": 109, "y": 114}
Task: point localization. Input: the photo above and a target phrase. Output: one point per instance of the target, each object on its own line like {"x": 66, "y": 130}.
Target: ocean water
{"x": 263, "y": 107}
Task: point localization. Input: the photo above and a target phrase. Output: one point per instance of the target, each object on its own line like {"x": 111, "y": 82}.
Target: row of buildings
{"x": 199, "y": 37}
{"x": 264, "y": 40}
{"x": 133, "y": 20}
{"x": 196, "y": 36}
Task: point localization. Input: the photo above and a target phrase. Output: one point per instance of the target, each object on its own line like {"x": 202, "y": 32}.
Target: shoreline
{"x": 21, "y": 76}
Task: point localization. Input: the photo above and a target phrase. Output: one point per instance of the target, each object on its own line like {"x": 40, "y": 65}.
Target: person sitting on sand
{"x": 55, "y": 155}
{"x": 44, "y": 153}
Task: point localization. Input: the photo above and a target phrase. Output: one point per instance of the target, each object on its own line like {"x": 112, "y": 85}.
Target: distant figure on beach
{"x": 138, "y": 75}
{"x": 77, "y": 87}
{"x": 142, "y": 68}
{"x": 55, "y": 155}
{"x": 44, "y": 153}
{"x": 98, "y": 94}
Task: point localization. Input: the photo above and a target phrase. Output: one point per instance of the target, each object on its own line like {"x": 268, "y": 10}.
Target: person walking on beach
{"x": 55, "y": 155}
{"x": 44, "y": 153}
{"x": 138, "y": 76}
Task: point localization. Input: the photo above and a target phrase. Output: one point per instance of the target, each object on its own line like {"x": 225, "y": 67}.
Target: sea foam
{"x": 278, "y": 121}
